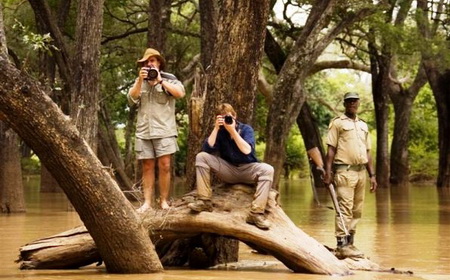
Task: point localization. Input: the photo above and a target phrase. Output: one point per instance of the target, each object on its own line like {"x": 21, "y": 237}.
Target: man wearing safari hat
{"x": 347, "y": 160}
{"x": 154, "y": 93}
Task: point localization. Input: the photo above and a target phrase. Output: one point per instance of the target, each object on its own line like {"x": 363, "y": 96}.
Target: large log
{"x": 284, "y": 240}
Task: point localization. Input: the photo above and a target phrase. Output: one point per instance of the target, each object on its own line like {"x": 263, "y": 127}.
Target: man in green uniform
{"x": 347, "y": 160}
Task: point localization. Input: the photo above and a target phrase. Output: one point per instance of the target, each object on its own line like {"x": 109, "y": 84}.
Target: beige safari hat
{"x": 152, "y": 52}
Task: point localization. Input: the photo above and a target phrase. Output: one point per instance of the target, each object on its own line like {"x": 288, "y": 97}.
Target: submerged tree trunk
{"x": 11, "y": 186}
{"x": 440, "y": 84}
{"x": 48, "y": 182}
{"x": 439, "y": 78}
{"x": 110, "y": 218}
{"x": 284, "y": 240}
{"x": 12, "y": 198}
{"x": 380, "y": 73}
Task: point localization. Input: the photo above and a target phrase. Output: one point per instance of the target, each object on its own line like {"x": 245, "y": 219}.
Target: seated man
{"x": 236, "y": 162}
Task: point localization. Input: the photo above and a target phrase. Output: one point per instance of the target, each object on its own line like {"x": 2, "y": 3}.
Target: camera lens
{"x": 228, "y": 119}
{"x": 152, "y": 73}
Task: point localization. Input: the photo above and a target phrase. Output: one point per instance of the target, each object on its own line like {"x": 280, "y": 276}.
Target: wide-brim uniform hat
{"x": 149, "y": 53}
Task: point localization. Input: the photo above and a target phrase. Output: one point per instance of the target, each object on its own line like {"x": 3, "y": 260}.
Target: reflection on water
{"x": 405, "y": 228}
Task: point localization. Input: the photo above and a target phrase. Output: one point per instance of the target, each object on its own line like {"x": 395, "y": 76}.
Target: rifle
{"x": 316, "y": 157}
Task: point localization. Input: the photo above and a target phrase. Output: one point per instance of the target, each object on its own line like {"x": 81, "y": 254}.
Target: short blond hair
{"x": 224, "y": 109}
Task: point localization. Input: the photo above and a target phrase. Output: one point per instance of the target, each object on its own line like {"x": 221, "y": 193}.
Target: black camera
{"x": 228, "y": 119}
{"x": 152, "y": 73}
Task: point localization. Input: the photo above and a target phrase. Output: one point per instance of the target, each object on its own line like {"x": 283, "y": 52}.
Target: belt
{"x": 353, "y": 167}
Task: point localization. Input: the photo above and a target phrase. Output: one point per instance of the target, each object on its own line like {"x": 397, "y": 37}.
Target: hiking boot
{"x": 348, "y": 251}
{"x": 356, "y": 250}
{"x": 259, "y": 220}
{"x": 201, "y": 205}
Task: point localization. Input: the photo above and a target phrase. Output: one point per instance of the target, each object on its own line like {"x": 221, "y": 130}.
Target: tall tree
{"x": 402, "y": 96}
{"x": 48, "y": 76}
{"x": 125, "y": 247}
{"x": 231, "y": 75}
{"x": 430, "y": 19}
{"x": 12, "y": 198}
{"x": 112, "y": 221}
{"x": 11, "y": 186}
{"x": 158, "y": 23}
{"x": 305, "y": 120}
{"x": 86, "y": 70}
{"x": 379, "y": 70}
{"x": 209, "y": 12}
{"x": 289, "y": 89}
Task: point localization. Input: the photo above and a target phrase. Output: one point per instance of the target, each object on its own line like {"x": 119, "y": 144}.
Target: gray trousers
{"x": 257, "y": 173}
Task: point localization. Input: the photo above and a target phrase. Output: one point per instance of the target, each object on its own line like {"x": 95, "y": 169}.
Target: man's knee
{"x": 201, "y": 159}
{"x": 266, "y": 172}
{"x": 164, "y": 165}
{"x": 148, "y": 164}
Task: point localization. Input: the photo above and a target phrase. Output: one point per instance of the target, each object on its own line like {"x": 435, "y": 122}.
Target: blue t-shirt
{"x": 227, "y": 148}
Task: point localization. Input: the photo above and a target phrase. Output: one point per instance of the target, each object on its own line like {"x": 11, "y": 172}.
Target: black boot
{"x": 350, "y": 238}
{"x": 346, "y": 250}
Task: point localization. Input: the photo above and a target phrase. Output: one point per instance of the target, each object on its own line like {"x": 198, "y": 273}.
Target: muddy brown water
{"x": 403, "y": 228}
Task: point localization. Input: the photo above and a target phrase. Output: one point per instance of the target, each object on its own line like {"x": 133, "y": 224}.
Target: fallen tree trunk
{"x": 284, "y": 240}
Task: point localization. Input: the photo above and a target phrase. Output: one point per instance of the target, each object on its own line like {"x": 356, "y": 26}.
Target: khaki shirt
{"x": 350, "y": 138}
{"x": 156, "y": 111}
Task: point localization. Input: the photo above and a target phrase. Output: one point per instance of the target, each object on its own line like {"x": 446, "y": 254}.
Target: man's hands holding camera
{"x": 226, "y": 121}
{"x": 150, "y": 74}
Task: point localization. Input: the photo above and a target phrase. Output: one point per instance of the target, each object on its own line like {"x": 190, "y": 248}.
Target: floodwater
{"x": 403, "y": 228}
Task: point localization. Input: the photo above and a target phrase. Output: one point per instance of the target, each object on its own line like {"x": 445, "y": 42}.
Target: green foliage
{"x": 296, "y": 159}
{"x": 423, "y": 136}
{"x": 325, "y": 95}
{"x": 31, "y": 165}
{"x": 35, "y": 41}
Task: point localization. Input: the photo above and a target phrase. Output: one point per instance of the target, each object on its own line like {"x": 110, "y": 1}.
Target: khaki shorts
{"x": 155, "y": 148}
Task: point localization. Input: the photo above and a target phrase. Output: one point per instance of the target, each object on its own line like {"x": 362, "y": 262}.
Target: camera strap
{"x": 167, "y": 76}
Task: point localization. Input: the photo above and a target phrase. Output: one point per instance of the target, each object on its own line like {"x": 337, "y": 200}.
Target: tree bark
{"x": 159, "y": 12}
{"x": 12, "y": 198}
{"x": 11, "y": 186}
{"x": 439, "y": 82}
{"x": 399, "y": 149}
{"x": 402, "y": 99}
{"x": 289, "y": 87}
{"x": 110, "y": 151}
{"x": 48, "y": 183}
{"x": 233, "y": 74}
{"x": 209, "y": 11}
{"x": 86, "y": 62}
{"x": 305, "y": 120}
{"x": 380, "y": 72}
{"x": 284, "y": 240}
{"x": 103, "y": 208}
